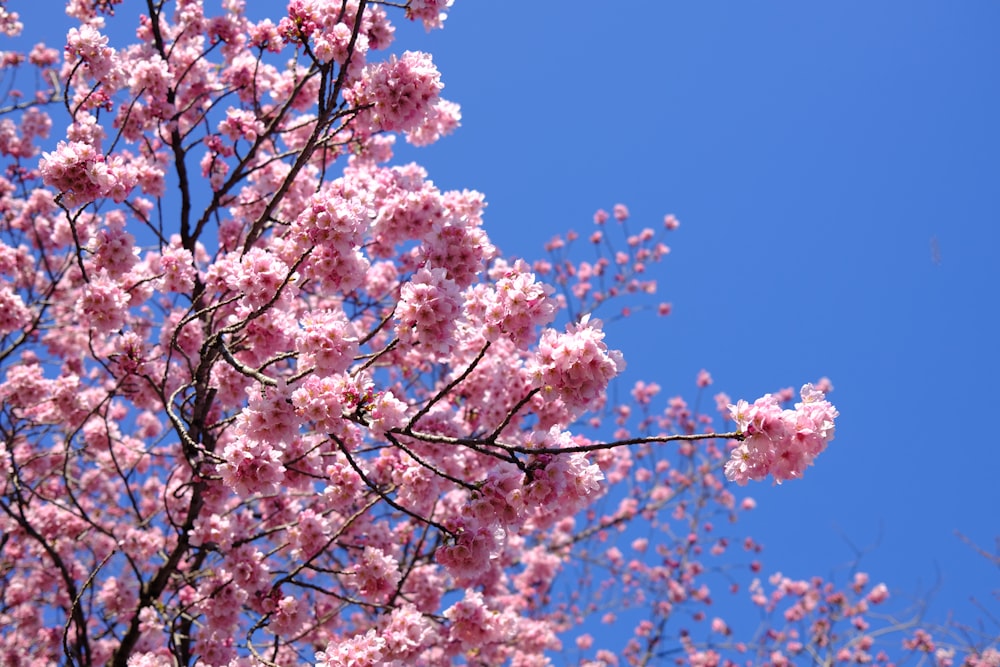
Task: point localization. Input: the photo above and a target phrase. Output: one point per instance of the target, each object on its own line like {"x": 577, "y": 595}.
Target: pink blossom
{"x": 318, "y": 401}
{"x": 10, "y": 23}
{"x": 427, "y": 312}
{"x": 13, "y": 312}
{"x": 878, "y": 594}
{"x": 720, "y": 627}
{"x": 643, "y": 393}
{"x": 258, "y": 277}
{"x": 944, "y": 657}
{"x": 251, "y": 467}
{"x": 79, "y": 172}
{"x": 328, "y": 341}
{"x": 176, "y": 265}
{"x": 114, "y": 248}
{"x": 150, "y": 659}
{"x": 431, "y": 12}
{"x": 387, "y": 412}
{"x": 401, "y": 92}
{"x": 521, "y": 305}
{"x": 920, "y": 641}
{"x": 458, "y": 244}
{"x": 410, "y": 209}
{"x": 103, "y": 304}
{"x": 367, "y": 650}
{"x": 265, "y": 395}
{"x": 561, "y": 485}
{"x": 376, "y": 575}
{"x": 442, "y": 120}
{"x": 779, "y": 442}
{"x": 406, "y": 632}
{"x": 289, "y": 617}
{"x": 577, "y": 366}
{"x": 472, "y": 623}
{"x": 334, "y": 44}
{"x": 92, "y": 48}
{"x": 471, "y": 554}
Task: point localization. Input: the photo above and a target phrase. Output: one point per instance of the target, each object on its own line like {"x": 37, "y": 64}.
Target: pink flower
{"x": 471, "y": 555}
{"x": 410, "y": 209}
{"x": 920, "y": 641}
{"x": 376, "y": 575}
{"x": 562, "y": 485}
{"x": 431, "y": 12}
{"x": 458, "y": 244}
{"x": 91, "y": 47}
{"x": 289, "y": 616}
{"x": 643, "y": 393}
{"x": 177, "y": 268}
{"x": 428, "y": 309}
{"x": 386, "y": 412}
{"x": 114, "y": 248}
{"x": 251, "y": 467}
{"x": 367, "y": 650}
{"x": 401, "y": 92}
{"x": 10, "y": 23}
{"x": 328, "y": 341}
{"x": 334, "y": 45}
{"x": 13, "y": 313}
{"x": 472, "y": 623}
{"x": 81, "y": 174}
{"x": 577, "y": 365}
{"x": 878, "y": 594}
{"x": 150, "y": 659}
{"x": 241, "y": 124}
{"x": 521, "y": 304}
{"x": 258, "y": 276}
{"x": 103, "y": 304}
{"x": 782, "y": 443}
{"x": 442, "y": 120}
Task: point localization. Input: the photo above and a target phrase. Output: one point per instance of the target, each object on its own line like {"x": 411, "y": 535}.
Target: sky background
{"x": 834, "y": 167}
{"x": 835, "y": 170}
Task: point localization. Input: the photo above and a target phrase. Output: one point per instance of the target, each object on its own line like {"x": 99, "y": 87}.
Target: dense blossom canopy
{"x": 269, "y": 398}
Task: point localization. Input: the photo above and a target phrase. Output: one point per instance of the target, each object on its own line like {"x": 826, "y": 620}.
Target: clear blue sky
{"x": 812, "y": 151}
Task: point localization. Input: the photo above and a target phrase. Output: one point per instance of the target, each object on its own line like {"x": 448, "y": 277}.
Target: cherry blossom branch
{"x": 437, "y": 471}
{"x": 492, "y": 438}
{"x": 382, "y": 494}
{"x": 241, "y": 367}
{"x": 592, "y": 447}
{"x": 447, "y": 389}
{"x": 75, "y": 614}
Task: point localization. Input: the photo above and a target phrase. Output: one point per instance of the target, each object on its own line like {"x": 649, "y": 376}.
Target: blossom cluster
{"x": 82, "y": 175}
{"x": 576, "y": 366}
{"x": 400, "y": 93}
{"x": 428, "y": 309}
{"x": 520, "y": 305}
{"x": 777, "y": 442}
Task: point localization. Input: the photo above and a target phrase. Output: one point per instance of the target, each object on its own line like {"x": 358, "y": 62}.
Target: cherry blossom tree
{"x": 269, "y": 398}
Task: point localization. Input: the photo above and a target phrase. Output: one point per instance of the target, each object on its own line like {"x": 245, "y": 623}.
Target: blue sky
{"x": 814, "y": 153}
